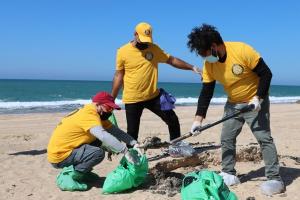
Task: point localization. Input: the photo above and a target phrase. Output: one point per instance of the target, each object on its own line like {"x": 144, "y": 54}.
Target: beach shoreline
{"x": 44, "y": 110}
{"x": 26, "y": 174}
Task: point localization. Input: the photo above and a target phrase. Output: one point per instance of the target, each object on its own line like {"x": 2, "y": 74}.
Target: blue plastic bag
{"x": 167, "y": 100}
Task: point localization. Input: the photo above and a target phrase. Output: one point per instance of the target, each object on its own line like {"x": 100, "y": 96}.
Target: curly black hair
{"x": 201, "y": 38}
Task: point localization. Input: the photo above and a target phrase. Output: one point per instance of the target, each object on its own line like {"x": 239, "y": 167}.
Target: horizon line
{"x": 33, "y": 79}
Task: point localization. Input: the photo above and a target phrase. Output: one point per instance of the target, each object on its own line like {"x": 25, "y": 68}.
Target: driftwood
{"x": 250, "y": 153}
{"x": 202, "y": 159}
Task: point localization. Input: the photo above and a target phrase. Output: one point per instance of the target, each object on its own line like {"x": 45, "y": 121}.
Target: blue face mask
{"x": 212, "y": 58}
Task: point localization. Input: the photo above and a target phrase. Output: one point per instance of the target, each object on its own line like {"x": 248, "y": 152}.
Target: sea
{"x": 32, "y": 96}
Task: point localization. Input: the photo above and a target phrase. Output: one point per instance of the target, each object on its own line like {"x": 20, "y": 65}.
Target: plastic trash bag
{"x": 113, "y": 119}
{"x": 167, "y": 100}
{"x": 181, "y": 149}
{"x": 205, "y": 185}
{"x": 126, "y": 175}
{"x": 65, "y": 181}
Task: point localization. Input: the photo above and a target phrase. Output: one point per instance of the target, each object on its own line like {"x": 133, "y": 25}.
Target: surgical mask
{"x": 213, "y": 58}
{"x": 105, "y": 115}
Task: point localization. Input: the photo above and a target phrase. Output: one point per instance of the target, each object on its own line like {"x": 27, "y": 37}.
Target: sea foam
{"x": 79, "y": 102}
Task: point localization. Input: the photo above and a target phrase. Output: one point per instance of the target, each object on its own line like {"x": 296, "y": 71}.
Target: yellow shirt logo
{"x": 141, "y": 71}
{"x": 149, "y": 56}
{"x": 235, "y": 74}
{"x": 147, "y": 32}
{"x": 237, "y": 69}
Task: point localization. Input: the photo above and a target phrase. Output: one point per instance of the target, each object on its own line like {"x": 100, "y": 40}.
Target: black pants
{"x": 134, "y": 112}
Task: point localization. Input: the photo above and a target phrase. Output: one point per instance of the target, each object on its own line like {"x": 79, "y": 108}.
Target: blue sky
{"x": 77, "y": 40}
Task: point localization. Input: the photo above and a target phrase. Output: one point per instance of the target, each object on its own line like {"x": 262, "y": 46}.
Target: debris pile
{"x": 166, "y": 183}
{"x": 154, "y": 142}
{"x": 249, "y": 153}
{"x": 163, "y": 181}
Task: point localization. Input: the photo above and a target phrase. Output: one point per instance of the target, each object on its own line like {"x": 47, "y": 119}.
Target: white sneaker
{"x": 230, "y": 179}
{"x": 271, "y": 187}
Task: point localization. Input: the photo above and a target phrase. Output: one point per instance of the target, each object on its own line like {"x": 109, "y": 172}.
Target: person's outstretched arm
{"x": 117, "y": 82}
{"x": 180, "y": 64}
{"x": 121, "y": 135}
{"x": 108, "y": 140}
{"x": 113, "y": 144}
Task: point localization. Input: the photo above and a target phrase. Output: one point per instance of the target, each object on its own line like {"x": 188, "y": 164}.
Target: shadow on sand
{"x": 29, "y": 152}
{"x": 288, "y": 174}
{"x": 97, "y": 183}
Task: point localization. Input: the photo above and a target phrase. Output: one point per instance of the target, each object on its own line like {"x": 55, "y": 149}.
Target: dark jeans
{"x": 134, "y": 112}
{"x": 83, "y": 158}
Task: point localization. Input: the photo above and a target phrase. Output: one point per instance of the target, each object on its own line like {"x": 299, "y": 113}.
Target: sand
{"x": 26, "y": 174}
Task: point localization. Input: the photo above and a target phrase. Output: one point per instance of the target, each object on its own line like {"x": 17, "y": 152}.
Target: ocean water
{"x": 26, "y": 96}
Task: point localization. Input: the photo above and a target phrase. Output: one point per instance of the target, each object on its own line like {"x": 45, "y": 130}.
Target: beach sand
{"x": 26, "y": 174}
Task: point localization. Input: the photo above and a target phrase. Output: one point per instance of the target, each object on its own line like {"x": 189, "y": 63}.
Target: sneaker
{"x": 271, "y": 187}
{"x": 229, "y": 179}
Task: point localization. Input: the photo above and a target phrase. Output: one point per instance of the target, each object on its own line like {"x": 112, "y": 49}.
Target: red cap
{"x": 105, "y": 98}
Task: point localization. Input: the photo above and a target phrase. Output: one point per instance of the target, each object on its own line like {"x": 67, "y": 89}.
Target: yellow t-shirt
{"x": 73, "y": 131}
{"x": 141, "y": 71}
{"x": 235, "y": 74}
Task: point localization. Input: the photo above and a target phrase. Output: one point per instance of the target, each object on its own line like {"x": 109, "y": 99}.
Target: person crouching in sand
{"x": 81, "y": 138}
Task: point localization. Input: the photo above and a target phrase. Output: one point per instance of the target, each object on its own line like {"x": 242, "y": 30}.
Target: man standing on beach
{"x": 137, "y": 70}
{"x": 246, "y": 79}
{"x": 77, "y": 139}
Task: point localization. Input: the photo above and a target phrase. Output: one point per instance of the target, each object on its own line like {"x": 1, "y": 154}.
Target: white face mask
{"x": 211, "y": 58}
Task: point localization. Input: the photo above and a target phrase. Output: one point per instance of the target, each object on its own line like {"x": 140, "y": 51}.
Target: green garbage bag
{"x": 65, "y": 181}
{"x": 113, "y": 119}
{"x": 205, "y": 185}
{"x": 126, "y": 175}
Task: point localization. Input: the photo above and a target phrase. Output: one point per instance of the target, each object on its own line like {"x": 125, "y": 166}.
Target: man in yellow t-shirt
{"x": 82, "y": 136}
{"x": 137, "y": 70}
{"x": 246, "y": 80}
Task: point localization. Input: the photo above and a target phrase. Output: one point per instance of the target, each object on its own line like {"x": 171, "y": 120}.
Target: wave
{"x": 222, "y": 100}
{"x": 46, "y": 106}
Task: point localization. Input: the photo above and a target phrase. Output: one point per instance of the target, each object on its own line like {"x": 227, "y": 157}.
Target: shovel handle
{"x": 189, "y": 134}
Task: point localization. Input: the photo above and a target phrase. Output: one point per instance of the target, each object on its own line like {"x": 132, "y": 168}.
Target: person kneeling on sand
{"x": 80, "y": 139}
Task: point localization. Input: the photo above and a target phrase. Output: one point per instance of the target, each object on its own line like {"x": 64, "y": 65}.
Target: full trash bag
{"x": 205, "y": 185}
{"x": 65, "y": 181}
{"x": 126, "y": 175}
